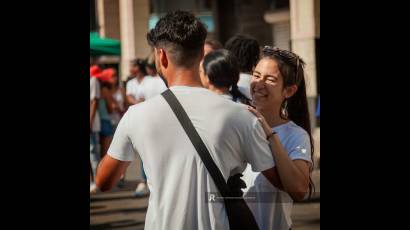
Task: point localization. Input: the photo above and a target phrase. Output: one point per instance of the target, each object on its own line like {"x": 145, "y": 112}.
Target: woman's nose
{"x": 260, "y": 83}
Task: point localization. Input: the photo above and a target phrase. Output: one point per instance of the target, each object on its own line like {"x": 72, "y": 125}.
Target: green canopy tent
{"x": 103, "y": 46}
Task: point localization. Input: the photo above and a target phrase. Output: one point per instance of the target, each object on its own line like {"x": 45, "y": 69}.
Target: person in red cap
{"x": 116, "y": 97}
{"x": 95, "y": 71}
{"x": 106, "y": 107}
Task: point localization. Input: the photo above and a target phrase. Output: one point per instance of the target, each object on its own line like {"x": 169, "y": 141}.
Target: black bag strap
{"x": 199, "y": 145}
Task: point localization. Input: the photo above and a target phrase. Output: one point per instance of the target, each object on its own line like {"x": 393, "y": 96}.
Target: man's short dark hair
{"x": 246, "y": 49}
{"x": 181, "y": 34}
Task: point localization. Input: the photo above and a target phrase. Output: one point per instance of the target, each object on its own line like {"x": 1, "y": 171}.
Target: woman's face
{"x": 150, "y": 71}
{"x": 267, "y": 84}
{"x": 204, "y": 78}
{"x": 134, "y": 70}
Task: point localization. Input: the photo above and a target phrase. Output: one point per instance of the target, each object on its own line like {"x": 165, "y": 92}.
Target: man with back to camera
{"x": 177, "y": 178}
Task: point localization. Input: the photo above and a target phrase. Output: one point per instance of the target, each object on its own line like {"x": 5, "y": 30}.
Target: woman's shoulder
{"x": 294, "y": 132}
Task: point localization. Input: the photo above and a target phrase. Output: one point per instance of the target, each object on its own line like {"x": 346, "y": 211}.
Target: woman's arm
{"x": 290, "y": 175}
{"x": 293, "y": 174}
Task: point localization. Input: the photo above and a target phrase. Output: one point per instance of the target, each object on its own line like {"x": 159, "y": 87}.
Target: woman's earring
{"x": 285, "y": 108}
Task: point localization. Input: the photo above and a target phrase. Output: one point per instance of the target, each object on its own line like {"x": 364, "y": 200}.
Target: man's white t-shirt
{"x": 177, "y": 179}
{"x": 151, "y": 87}
{"x": 272, "y": 207}
{"x": 244, "y": 84}
{"x": 95, "y": 94}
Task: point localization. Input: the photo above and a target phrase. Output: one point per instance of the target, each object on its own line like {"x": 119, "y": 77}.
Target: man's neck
{"x": 184, "y": 77}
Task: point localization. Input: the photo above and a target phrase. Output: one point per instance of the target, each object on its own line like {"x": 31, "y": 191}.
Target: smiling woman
{"x": 279, "y": 95}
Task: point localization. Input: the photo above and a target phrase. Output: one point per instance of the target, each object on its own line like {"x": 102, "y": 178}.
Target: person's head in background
{"x": 110, "y": 76}
{"x": 95, "y": 71}
{"x": 246, "y": 49}
{"x": 106, "y": 78}
{"x": 137, "y": 68}
{"x": 211, "y": 45}
{"x": 220, "y": 74}
{"x": 150, "y": 65}
{"x": 178, "y": 40}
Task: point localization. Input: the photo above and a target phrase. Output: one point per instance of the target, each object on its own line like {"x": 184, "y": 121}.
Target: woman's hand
{"x": 262, "y": 120}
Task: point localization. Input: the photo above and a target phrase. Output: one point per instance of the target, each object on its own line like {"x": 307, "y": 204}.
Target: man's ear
{"x": 290, "y": 91}
{"x": 163, "y": 58}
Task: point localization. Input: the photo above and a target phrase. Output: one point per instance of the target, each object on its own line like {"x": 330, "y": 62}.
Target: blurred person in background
{"x": 105, "y": 108}
{"x": 137, "y": 69}
{"x": 219, "y": 73}
{"x": 95, "y": 72}
{"x": 117, "y": 100}
{"x": 246, "y": 49}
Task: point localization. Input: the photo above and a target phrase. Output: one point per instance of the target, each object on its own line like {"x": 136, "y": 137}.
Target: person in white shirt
{"x": 137, "y": 69}
{"x": 177, "y": 178}
{"x": 279, "y": 94}
{"x": 246, "y": 49}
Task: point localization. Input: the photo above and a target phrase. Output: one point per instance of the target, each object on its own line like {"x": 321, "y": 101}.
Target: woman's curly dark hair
{"x": 246, "y": 49}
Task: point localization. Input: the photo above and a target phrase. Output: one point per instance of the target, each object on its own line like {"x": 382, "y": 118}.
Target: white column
{"x": 101, "y": 18}
{"x": 127, "y": 36}
{"x": 134, "y": 26}
{"x": 303, "y": 38}
{"x": 302, "y": 23}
